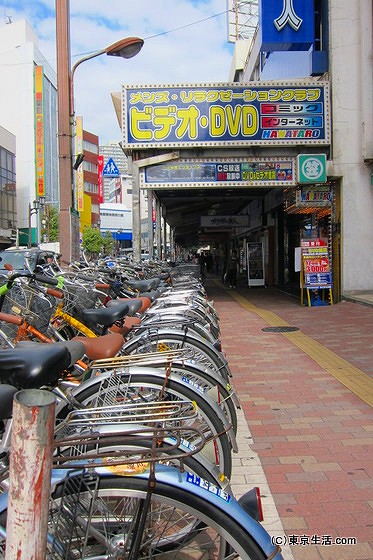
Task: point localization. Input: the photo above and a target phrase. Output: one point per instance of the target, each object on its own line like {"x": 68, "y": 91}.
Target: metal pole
{"x": 164, "y": 234}
{"x": 150, "y": 224}
{"x": 64, "y": 128}
{"x": 29, "y": 226}
{"x": 136, "y": 213}
{"x": 134, "y": 166}
{"x": 158, "y": 233}
{"x": 172, "y": 244}
{"x": 30, "y": 475}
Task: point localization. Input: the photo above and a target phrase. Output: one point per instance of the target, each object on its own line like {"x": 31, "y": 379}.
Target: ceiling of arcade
{"x": 183, "y": 207}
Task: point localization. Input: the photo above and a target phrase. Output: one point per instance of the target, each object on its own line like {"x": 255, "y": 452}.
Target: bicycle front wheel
{"x": 118, "y": 517}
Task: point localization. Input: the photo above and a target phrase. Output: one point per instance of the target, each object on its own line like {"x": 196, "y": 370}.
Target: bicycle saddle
{"x": 152, "y": 294}
{"x": 105, "y": 316}
{"x": 134, "y": 304}
{"x": 105, "y": 346}
{"x": 144, "y": 285}
{"x": 7, "y": 393}
{"x": 34, "y": 365}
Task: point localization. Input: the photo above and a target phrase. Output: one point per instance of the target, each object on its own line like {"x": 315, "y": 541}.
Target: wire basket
{"x": 67, "y": 535}
{"x": 77, "y": 298}
{"x": 29, "y": 303}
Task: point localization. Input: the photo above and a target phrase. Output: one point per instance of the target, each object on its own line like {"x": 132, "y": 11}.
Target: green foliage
{"x": 92, "y": 241}
{"x": 51, "y": 230}
{"x": 108, "y": 243}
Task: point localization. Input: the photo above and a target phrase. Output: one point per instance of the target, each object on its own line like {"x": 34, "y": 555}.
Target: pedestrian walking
{"x": 232, "y": 269}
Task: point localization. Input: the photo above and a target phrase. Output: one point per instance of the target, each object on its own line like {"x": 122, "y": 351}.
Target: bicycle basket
{"x": 35, "y": 307}
{"x": 78, "y": 298}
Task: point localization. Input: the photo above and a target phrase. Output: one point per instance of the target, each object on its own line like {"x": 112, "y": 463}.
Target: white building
{"x": 19, "y": 55}
{"x": 117, "y": 219}
{"x": 8, "y": 212}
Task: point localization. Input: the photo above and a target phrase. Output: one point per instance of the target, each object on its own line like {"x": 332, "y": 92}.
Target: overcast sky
{"x": 185, "y": 42}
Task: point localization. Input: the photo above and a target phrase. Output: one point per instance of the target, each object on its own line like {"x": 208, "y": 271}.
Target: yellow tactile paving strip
{"x": 351, "y": 377}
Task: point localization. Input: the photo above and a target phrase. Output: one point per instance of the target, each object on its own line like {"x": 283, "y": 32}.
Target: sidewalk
{"x": 306, "y": 425}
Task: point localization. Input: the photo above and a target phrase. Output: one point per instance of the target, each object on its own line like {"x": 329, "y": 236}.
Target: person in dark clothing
{"x": 232, "y": 269}
{"x": 203, "y": 266}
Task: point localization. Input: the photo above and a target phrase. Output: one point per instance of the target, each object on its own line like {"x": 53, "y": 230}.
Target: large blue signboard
{"x": 286, "y": 24}
{"x": 268, "y": 113}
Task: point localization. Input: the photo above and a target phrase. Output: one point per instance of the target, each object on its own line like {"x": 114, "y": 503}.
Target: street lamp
{"x": 125, "y": 48}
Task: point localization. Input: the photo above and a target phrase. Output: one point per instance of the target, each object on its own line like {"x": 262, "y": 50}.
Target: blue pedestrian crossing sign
{"x": 110, "y": 169}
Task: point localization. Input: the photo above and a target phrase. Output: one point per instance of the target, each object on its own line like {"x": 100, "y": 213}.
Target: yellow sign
{"x": 39, "y": 132}
{"x": 79, "y": 173}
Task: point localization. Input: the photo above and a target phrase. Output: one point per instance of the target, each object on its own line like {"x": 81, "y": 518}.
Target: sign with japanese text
{"x": 80, "y": 172}
{"x": 224, "y": 221}
{"x": 268, "y": 113}
{"x": 188, "y": 173}
{"x": 316, "y": 266}
{"x": 100, "y": 183}
{"x": 308, "y": 245}
{"x": 286, "y": 25}
{"x": 39, "y": 132}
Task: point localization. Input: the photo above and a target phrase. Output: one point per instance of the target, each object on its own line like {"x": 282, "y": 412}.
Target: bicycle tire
{"x": 210, "y": 381}
{"x": 156, "y": 339}
{"x": 178, "y": 524}
{"x": 137, "y": 384}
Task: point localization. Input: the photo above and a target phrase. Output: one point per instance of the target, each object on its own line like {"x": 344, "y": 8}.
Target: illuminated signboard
{"x": 239, "y": 172}
{"x": 256, "y": 113}
{"x": 286, "y": 25}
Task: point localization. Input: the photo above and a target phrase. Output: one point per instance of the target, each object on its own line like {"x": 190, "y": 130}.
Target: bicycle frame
{"x": 72, "y": 322}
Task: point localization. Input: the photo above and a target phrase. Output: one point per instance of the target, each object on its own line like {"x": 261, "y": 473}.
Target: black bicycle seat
{"x": 144, "y": 285}
{"x": 134, "y": 304}
{"x": 33, "y": 366}
{"x": 105, "y": 316}
{"x": 7, "y": 393}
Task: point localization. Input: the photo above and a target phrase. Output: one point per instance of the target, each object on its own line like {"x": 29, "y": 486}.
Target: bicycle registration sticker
{"x": 198, "y": 481}
{"x": 193, "y": 384}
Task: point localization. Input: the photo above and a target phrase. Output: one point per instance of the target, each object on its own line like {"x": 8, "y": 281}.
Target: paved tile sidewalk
{"x": 312, "y": 435}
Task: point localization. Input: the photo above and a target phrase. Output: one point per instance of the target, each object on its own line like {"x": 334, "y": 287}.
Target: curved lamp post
{"x": 125, "y": 48}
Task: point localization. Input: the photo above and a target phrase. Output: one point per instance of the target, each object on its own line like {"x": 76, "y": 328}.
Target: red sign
{"x": 314, "y": 243}
{"x": 316, "y": 264}
{"x": 100, "y": 168}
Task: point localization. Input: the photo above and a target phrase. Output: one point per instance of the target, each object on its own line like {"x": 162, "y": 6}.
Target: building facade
{"x": 8, "y": 210}
{"x": 341, "y": 209}
{"x": 28, "y": 106}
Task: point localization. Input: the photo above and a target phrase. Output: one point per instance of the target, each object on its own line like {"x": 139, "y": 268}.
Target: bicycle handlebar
{"x": 45, "y": 279}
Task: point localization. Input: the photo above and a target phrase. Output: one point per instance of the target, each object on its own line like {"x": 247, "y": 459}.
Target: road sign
{"x": 110, "y": 169}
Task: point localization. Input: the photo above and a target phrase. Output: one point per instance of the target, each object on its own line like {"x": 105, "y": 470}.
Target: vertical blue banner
{"x": 286, "y": 25}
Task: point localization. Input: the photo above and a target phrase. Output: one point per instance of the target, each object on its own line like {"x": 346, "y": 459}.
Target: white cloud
{"x": 174, "y": 51}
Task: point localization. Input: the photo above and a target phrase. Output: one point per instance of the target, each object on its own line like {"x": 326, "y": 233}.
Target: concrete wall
{"x": 351, "y": 75}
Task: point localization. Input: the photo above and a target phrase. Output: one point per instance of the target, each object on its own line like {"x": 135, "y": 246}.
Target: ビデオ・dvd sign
{"x": 226, "y": 114}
